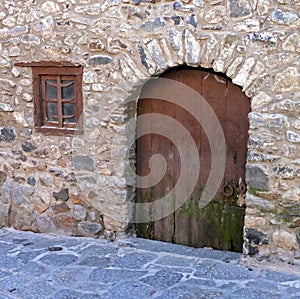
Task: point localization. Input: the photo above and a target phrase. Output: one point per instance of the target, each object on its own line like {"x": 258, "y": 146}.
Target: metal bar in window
{"x": 67, "y": 84}
{"x": 51, "y": 83}
{"x": 50, "y": 123}
{"x": 78, "y": 96}
{"x": 68, "y": 100}
{"x": 44, "y": 105}
{"x": 69, "y": 116}
{"x": 70, "y": 125}
{"x": 50, "y": 100}
{"x": 60, "y": 113}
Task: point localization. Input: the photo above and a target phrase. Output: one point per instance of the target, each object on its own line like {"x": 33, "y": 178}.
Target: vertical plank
{"x": 163, "y": 228}
{"x": 144, "y": 150}
{"x": 186, "y": 227}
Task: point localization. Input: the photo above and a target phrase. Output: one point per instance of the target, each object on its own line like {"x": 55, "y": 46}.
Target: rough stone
{"x": 100, "y": 60}
{"x": 79, "y": 212}
{"x": 60, "y": 208}
{"x": 81, "y": 199}
{"x": 255, "y": 202}
{"x": 292, "y": 43}
{"x": 150, "y": 26}
{"x": 62, "y": 194}
{"x": 255, "y": 222}
{"x": 21, "y": 193}
{"x": 146, "y": 60}
{"x": 257, "y": 120}
{"x": 284, "y": 18}
{"x": 268, "y": 39}
{"x": 28, "y": 146}
{"x": 285, "y": 239}
{"x": 293, "y": 137}
{"x": 243, "y": 74}
{"x": 286, "y": 172}
{"x": 81, "y": 162}
{"x": 239, "y": 9}
{"x": 192, "y": 49}
{"x": 256, "y": 177}
{"x": 46, "y": 180}
{"x": 6, "y": 107}
{"x": 31, "y": 181}
{"x": 288, "y": 80}
{"x": 86, "y": 228}
{"x": 22, "y": 216}
{"x": 112, "y": 223}
{"x": 256, "y": 237}
{"x": 7, "y": 134}
{"x": 3, "y": 177}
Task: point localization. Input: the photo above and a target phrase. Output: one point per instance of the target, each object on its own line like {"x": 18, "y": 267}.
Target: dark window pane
{"x": 52, "y": 111}
{"x": 51, "y": 89}
{"x": 69, "y": 113}
{"x": 67, "y": 89}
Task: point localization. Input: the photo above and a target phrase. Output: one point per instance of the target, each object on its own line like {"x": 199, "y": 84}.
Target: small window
{"x": 57, "y": 93}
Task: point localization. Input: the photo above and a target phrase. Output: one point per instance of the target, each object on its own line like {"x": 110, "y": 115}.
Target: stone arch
{"x": 244, "y": 70}
{"x": 223, "y": 56}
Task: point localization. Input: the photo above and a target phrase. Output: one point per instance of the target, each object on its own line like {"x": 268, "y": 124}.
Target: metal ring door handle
{"x": 228, "y": 190}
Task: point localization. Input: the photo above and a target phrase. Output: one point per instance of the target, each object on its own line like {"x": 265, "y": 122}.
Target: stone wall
{"x": 121, "y": 44}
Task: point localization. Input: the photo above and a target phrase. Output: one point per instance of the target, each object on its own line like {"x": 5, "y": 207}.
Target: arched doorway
{"x": 219, "y": 225}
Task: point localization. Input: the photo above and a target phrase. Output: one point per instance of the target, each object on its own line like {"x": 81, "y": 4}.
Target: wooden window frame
{"x": 51, "y": 71}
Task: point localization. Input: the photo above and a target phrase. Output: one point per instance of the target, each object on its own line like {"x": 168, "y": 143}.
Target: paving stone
{"x": 69, "y": 294}
{"x": 5, "y": 248}
{"x": 31, "y": 269}
{"x": 92, "y": 287}
{"x": 4, "y": 274}
{"x": 99, "y": 250}
{"x": 35, "y": 290}
{"x": 213, "y": 270}
{"x": 13, "y": 282}
{"x": 162, "y": 279}
{"x": 200, "y": 282}
{"x": 254, "y": 294}
{"x": 262, "y": 284}
{"x": 94, "y": 261}
{"x": 58, "y": 259}
{"x": 26, "y": 256}
{"x": 9, "y": 262}
{"x": 135, "y": 260}
{"x": 6, "y": 296}
{"x": 74, "y": 275}
{"x": 156, "y": 246}
{"x": 176, "y": 261}
{"x": 229, "y": 285}
{"x": 92, "y": 271}
{"x": 71, "y": 244}
{"x": 114, "y": 275}
{"x": 129, "y": 290}
{"x": 171, "y": 268}
{"x": 278, "y": 276}
{"x": 189, "y": 292}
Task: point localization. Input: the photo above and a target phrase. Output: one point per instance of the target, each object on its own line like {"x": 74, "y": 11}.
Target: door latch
{"x": 240, "y": 189}
{"x": 241, "y": 193}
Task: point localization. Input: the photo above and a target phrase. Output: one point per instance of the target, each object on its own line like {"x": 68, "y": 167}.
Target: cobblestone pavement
{"x": 46, "y": 266}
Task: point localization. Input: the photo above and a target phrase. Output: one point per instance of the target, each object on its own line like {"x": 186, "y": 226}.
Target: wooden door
{"x": 219, "y": 225}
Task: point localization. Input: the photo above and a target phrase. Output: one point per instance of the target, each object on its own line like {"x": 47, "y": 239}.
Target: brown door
{"x": 219, "y": 224}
